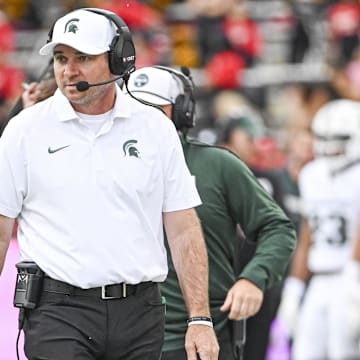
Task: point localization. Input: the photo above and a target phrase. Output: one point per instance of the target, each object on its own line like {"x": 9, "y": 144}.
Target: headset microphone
{"x": 84, "y": 85}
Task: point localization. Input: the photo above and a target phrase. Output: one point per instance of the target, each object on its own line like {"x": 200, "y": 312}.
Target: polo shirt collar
{"x": 122, "y": 106}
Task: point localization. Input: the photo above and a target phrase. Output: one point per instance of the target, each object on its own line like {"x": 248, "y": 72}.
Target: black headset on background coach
{"x": 122, "y": 50}
{"x": 183, "y": 111}
{"x": 183, "y": 106}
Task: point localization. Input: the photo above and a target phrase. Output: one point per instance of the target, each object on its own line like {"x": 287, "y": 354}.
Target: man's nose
{"x": 71, "y": 68}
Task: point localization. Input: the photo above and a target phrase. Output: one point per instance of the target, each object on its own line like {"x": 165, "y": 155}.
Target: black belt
{"x": 114, "y": 291}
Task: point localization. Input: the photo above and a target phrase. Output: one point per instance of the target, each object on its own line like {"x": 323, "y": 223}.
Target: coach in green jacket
{"x": 233, "y": 202}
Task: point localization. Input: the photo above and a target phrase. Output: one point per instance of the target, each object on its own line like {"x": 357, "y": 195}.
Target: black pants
{"x": 258, "y": 326}
{"x": 88, "y": 328}
{"x": 226, "y": 348}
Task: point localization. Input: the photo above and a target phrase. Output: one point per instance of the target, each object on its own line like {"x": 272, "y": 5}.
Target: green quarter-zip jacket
{"x": 231, "y": 196}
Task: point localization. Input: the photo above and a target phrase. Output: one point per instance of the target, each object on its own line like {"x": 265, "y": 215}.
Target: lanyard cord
{"x": 20, "y": 326}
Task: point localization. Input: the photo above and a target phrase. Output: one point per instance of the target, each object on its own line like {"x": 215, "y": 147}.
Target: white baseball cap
{"x": 155, "y": 86}
{"x": 83, "y": 30}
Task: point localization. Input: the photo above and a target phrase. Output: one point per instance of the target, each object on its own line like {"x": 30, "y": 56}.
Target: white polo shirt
{"x": 90, "y": 206}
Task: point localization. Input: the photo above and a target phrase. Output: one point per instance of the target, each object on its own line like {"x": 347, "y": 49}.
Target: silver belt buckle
{"x": 105, "y": 297}
{"x": 103, "y": 293}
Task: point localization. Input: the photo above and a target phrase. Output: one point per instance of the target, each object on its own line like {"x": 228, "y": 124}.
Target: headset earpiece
{"x": 178, "y": 111}
{"x": 122, "y": 50}
{"x": 183, "y": 111}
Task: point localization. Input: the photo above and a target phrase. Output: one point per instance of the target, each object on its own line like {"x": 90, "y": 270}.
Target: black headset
{"x": 122, "y": 50}
{"x": 183, "y": 111}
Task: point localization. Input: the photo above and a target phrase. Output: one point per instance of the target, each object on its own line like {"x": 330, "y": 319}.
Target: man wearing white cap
{"x": 92, "y": 177}
{"x": 231, "y": 197}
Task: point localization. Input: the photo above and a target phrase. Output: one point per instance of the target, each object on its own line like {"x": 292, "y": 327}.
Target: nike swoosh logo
{"x": 51, "y": 151}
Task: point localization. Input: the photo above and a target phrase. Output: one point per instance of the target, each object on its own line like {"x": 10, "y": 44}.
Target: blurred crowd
{"x": 225, "y": 43}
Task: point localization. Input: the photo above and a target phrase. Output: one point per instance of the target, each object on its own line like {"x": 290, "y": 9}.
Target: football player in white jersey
{"x": 325, "y": 258}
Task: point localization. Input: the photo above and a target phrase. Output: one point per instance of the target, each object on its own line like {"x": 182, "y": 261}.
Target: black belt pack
{"x": 29, "y": 281}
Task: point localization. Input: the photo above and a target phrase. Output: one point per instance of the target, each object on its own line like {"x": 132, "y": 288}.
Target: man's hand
{"x": 38, "y": 91}
{"x": 243, "y": 300}
{"x": 201, "y": 340}
{"x": 31, "y": 94}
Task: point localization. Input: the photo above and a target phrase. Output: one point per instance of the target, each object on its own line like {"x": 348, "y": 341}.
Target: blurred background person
{"x": 238, "y": 134}
{"x": 298, "y": 152}
{"x": 11, "y": 77}
{"x": 34, "y": 92}
{"x": 330, "y": 194}
{"x": 232, "y": 198}
{"x": 344, "y": 25}
{"x": 229, "y": 40}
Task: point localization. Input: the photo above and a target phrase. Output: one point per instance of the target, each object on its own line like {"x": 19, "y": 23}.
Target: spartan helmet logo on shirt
{"x": 71, "y": 26}
{"x": 130, "y": 149}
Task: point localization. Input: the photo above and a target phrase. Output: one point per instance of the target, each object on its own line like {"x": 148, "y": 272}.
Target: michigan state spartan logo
{"x": 71, "y": 26}
{"x": 129, "y": 148}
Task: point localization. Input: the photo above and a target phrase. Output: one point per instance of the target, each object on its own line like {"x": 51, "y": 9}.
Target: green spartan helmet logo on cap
{"x": 71, "y": 26}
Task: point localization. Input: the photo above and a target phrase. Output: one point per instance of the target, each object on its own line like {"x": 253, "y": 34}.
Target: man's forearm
{"x": 6, "y": 226}
{"x": 189, "y": 255}
{"x": 192, "y": 270}
{"x": 299, "y": 266}
{"x": 275, "y": 244}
